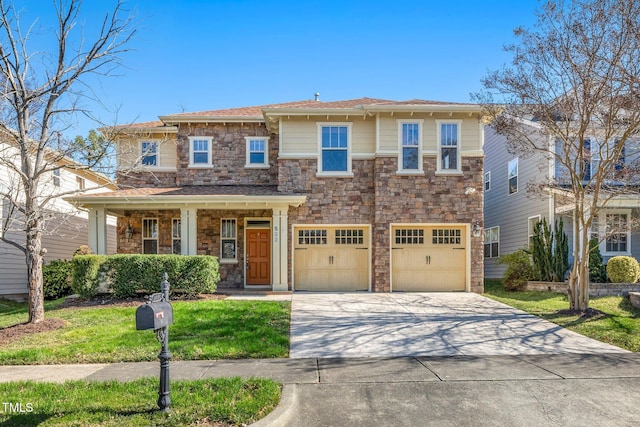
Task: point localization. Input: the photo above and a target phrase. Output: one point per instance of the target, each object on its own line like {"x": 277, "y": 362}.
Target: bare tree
{"x": 572, "y": 93}
{"x": 40, "y": 93}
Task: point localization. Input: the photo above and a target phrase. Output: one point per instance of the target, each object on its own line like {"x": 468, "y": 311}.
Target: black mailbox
{"x": 154, "y": 315}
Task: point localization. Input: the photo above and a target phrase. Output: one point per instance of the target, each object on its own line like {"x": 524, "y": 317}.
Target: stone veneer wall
{"x": 377, "y": 195}
{"x": 208, "y": 237}
{"x": 229, "y": 155}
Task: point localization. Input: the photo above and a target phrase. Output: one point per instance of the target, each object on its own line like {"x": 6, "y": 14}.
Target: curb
{"x": 284, "y": 411}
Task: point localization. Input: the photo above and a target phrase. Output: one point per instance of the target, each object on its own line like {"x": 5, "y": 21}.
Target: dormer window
{"x": 200, "y": 151}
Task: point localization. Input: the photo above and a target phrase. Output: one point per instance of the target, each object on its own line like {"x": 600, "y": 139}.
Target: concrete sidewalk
{"x": 562, "y": 389}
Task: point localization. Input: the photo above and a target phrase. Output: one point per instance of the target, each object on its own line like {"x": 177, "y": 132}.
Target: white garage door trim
{"x": 294, "y": 237}
{"x": 466, "y": 227}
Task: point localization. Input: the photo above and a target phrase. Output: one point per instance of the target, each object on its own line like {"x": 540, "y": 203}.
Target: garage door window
{"x": 445, "y": 236}
{"x": 409, "y": 236}
{"x": 349, "y": 237}
{"x": 312, "y": 237}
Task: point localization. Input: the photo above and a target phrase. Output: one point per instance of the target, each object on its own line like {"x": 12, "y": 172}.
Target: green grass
{"x": 620, "y": 325}
{"x": 223, "y": 401}
{"x": 211, "y": 329}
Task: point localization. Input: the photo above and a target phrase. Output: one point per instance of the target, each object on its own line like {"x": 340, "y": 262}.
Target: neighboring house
{"x": 65, "y": 227}
{"x": 516, "y": 199}
{"x": 356, "y": 195}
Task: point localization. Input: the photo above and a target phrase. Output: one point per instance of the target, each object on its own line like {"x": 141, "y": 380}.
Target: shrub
{"x": 83, "y": 250}
{"x": 623, "y": 269}
{"x": 130, "y": 274}
{"x": 86, "y": 274}
{"x": 56, "y": 279}
{"x": 519, "y": 269}
{"x": 560, "y": 252}
{"x": 597, "y": 272}
{"x": 542, "y": 251}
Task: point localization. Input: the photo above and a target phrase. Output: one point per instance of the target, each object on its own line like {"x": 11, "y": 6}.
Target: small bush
{"x": 519, "y": 269}
{"x": 56, "y": 277}
{"x": 623, "y": 269}
{"x": 83, "y": 250}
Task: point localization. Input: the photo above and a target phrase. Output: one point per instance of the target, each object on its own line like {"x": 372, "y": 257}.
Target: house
{"x": 355, "y": 195}
{"x": 65, "y": 228}
{"x": 522, "y": 190}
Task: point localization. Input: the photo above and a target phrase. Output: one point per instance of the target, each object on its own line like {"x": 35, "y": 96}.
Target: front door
{"x": 258, "y": 264}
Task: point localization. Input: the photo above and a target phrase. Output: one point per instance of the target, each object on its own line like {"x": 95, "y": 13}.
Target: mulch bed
{"x": 589, "y": 313}
{"x": 15, "y": 332}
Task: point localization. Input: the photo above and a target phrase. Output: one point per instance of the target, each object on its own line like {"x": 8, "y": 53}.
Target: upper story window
{"x": 410, "y": 140}
{"x": 257, "y": 151}
{"x": 586, "y": 160}
{"x": 335, "y": 150}
{"x": 487, "y": 181}
{"x": 512, "y": 171}
{"x": 56, "y": 177}
{"x": 448, "y": 146}
{"x": 199, "y": 151}
{"x": 80, "y": 183}
{"x": 149, "y": 153}
{"x": 492, "y": 242}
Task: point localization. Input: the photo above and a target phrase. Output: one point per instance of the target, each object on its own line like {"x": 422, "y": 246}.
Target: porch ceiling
{"x": 197, "y": 196}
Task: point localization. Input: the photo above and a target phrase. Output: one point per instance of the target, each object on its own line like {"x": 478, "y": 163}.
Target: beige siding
{"x": 300, "y": 135}
{"x": 129, "y": 152}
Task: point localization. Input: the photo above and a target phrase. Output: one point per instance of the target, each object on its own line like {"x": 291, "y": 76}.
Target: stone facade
{"x": 229, "y": 155}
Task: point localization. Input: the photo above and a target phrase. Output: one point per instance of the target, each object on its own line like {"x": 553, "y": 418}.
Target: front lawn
{"x": 209, "y": 329}
{"x": 619, "y": 324}
{"x": 211, "y": 402}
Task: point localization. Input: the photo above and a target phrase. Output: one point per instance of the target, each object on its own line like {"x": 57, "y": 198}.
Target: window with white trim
{"x": 531, "y": 228}
{"x": 410, "y": 146}
{"x": 149, "y": 153}
{"x": 200, "y": 151}
{"x": 56, "y": 177}
{"x": 512, "y": 174}
{"x": 257, "y": 151}
{"x": 80, "y": 183}
{"x": 613, "y": 230}
{"x": 150, "y": 236}
{"x": 228, "y": 239}
{"x": 448, "y": 146}
{"x": 492, "y": 242}
{"x": 335, "y": 153}
{"x": 487, "y": 181}
{"x": 176, "y": 236}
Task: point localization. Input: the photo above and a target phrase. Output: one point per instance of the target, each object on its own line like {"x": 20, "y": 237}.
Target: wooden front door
{"x": 258, "y": 264}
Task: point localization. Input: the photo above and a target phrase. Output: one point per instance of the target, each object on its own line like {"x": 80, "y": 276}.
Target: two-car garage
{"x": 424, "y": 258}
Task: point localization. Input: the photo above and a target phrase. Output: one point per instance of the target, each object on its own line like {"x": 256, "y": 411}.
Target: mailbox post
{"x": 157, "y": 314}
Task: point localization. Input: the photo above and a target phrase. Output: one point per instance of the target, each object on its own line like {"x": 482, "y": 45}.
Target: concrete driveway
{"x": 423, "y": 324}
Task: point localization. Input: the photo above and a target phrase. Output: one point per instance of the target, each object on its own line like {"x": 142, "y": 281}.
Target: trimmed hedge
{"x": 56, "y": 279}
{"x": 129, "y": 274}
{"x": 623, "y": 269}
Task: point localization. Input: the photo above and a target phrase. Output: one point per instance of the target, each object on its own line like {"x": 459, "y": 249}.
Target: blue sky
{"x": 193, "y": 55}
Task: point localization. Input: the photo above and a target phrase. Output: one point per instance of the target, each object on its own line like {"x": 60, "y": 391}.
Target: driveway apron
{"x": 329, "y": 325}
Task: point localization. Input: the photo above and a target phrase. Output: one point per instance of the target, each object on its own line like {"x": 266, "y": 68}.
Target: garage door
{"x": 428, "y": 258}
{"x": 331, "y": 258}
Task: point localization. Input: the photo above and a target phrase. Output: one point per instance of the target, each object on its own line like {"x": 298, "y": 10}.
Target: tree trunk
{"x": 34, "y": 271}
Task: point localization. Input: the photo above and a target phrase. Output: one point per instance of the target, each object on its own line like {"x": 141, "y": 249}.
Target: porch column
{"x": 280, "y": 256}
{"x": 188, "y": 231}
{"x": 98, "y": 230}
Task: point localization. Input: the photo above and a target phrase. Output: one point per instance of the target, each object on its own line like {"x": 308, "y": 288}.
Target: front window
{"x": 410, "y": 146}
{"x": 513, "y": 176}
{"x": 150, "y": 236}
{"x": 176, "y": 236}
{"x": 449, "y": 146}
{"x": 617, "y": 233}
{"x": 199, "y": 151}
{"x": 491, "y": 242}
{"x": 334, "y": 149}
{"x": 149, "y": 152}
{"x": 257, "y": 154}
{"x": 228, "y": 239}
